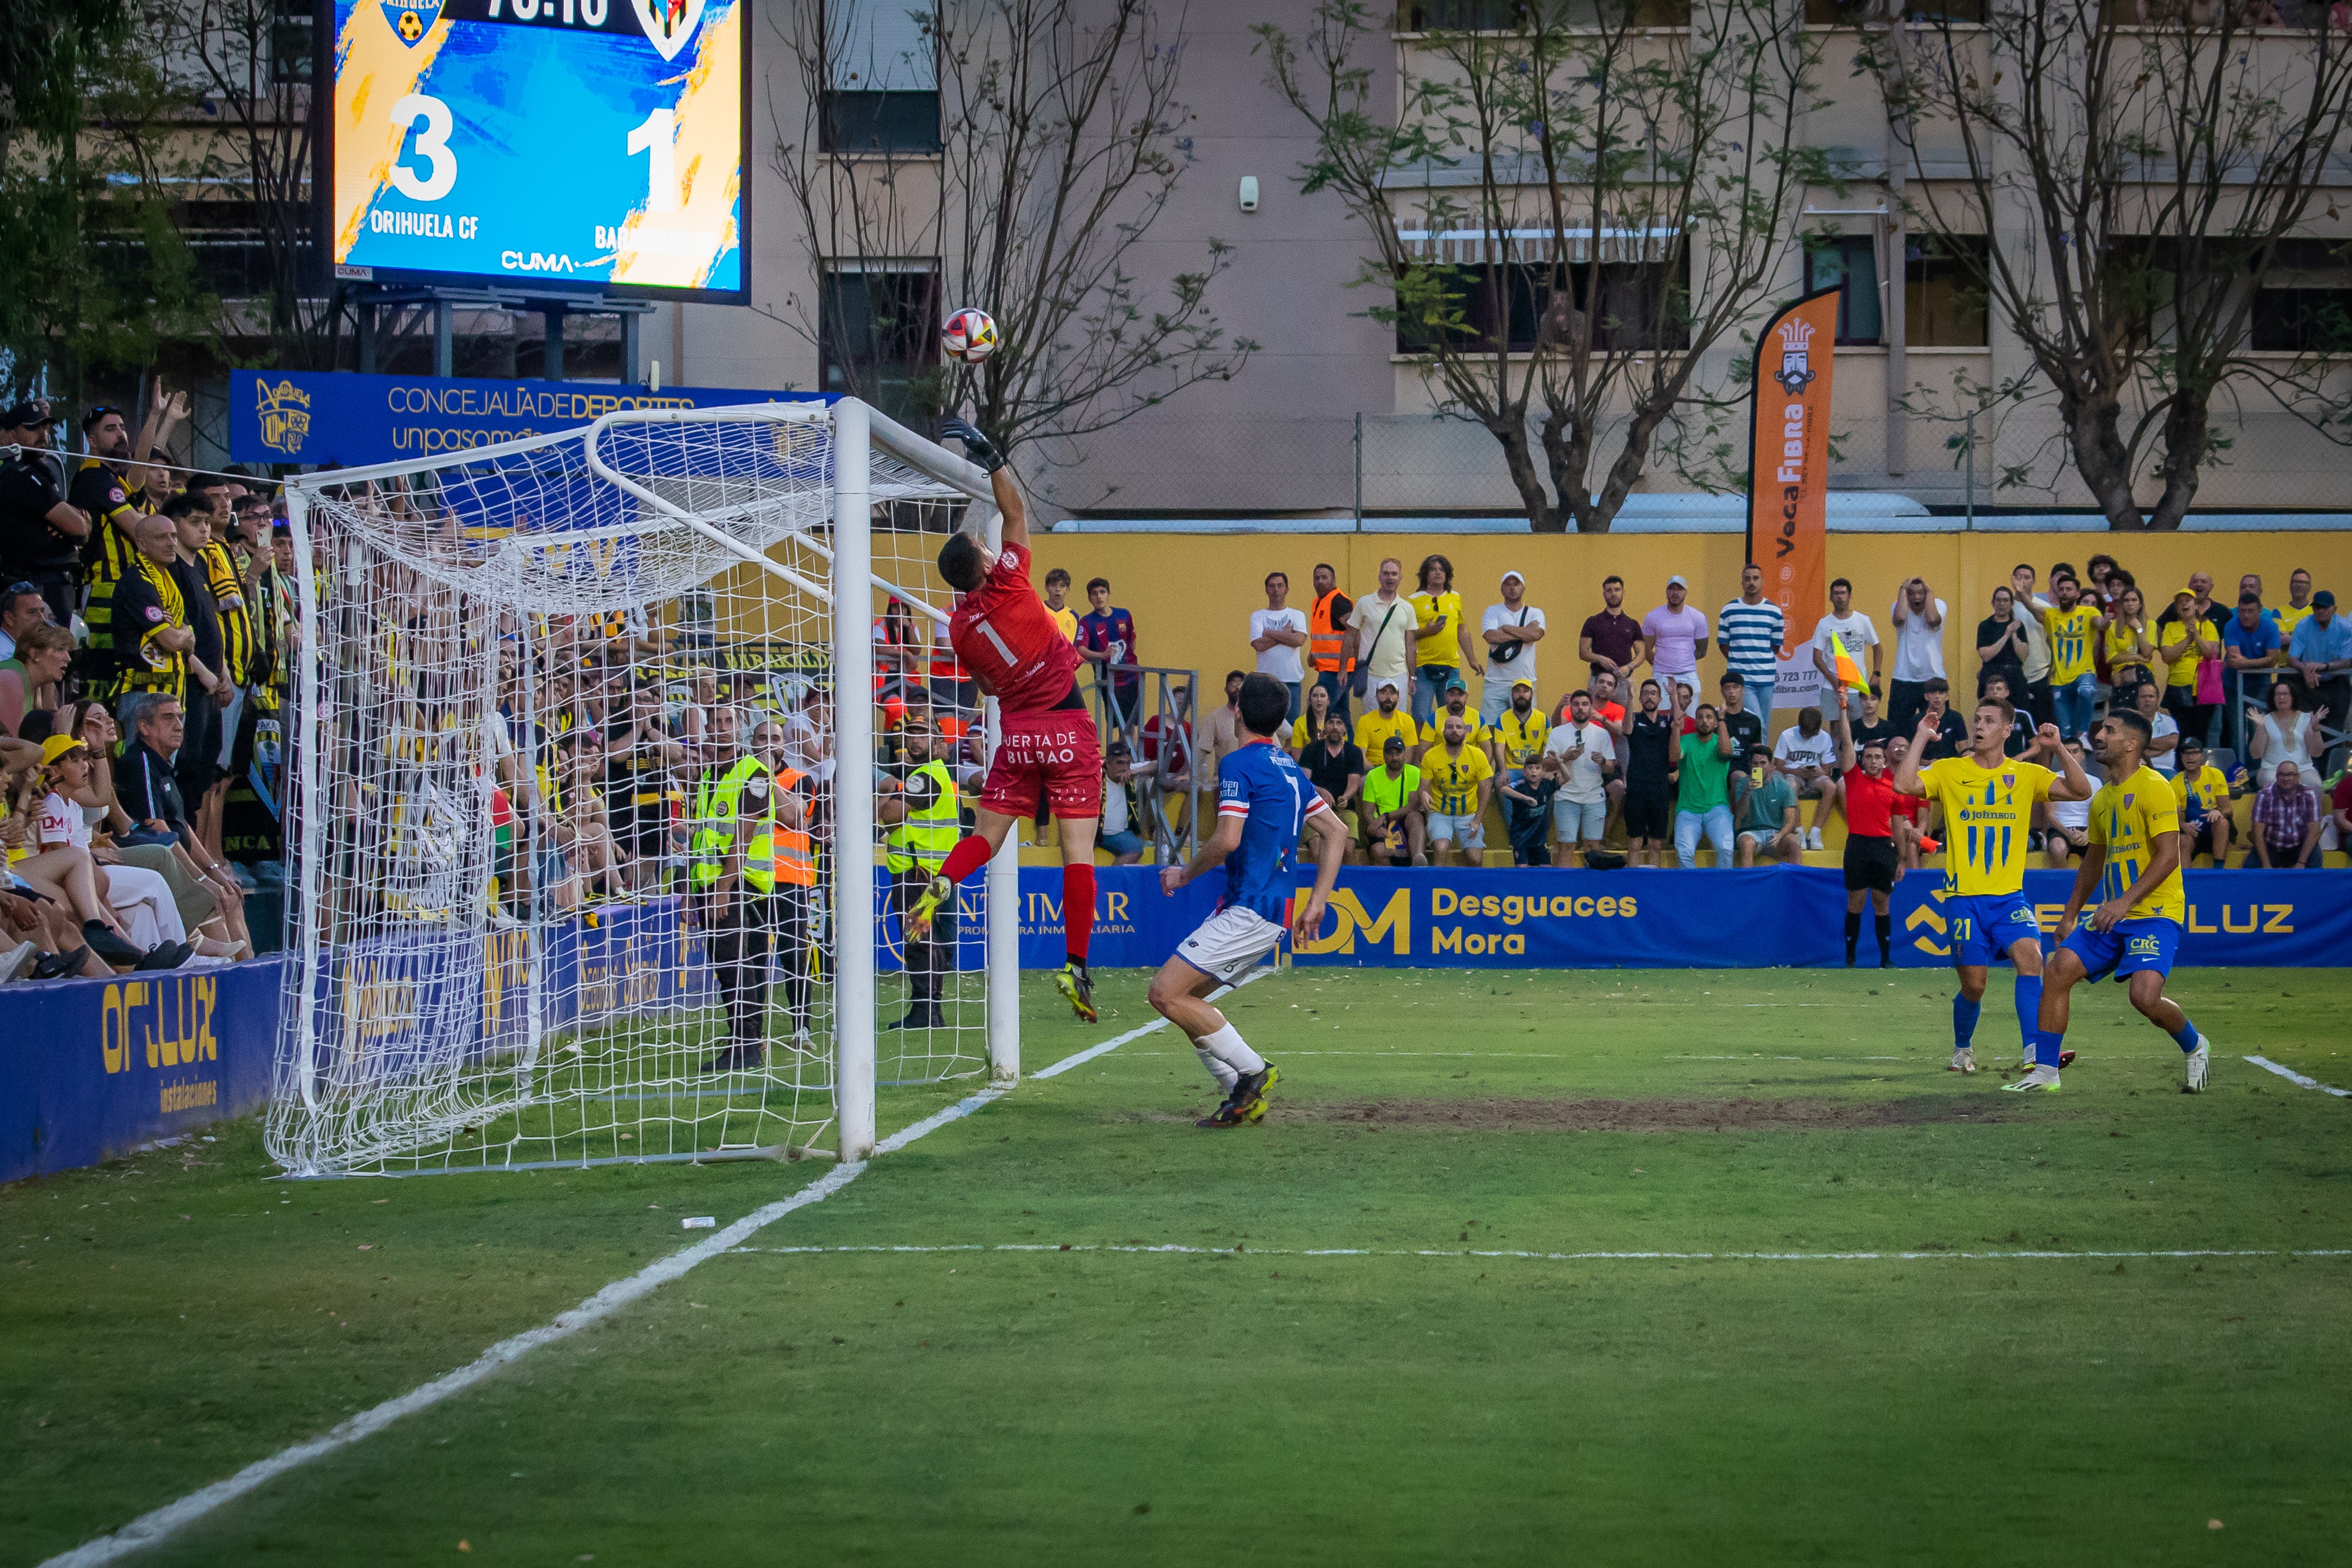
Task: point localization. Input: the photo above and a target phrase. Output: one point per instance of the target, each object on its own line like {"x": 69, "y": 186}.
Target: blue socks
{"x": 2186, "y": 1035}
{"x": 1964, "y": 1020}
{"x": 2029, "y": 1015}
{"x": 2047, "y": 1043}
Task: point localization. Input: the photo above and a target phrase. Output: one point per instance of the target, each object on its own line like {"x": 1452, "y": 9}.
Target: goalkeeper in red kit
{"x": 1003, "y": 632}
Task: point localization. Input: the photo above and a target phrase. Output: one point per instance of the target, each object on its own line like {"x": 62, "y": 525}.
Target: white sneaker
{"x": 16, "y": 964}
{"x": 2044, "y": 1077}
{"x": 1813, "y": 838}
{"x": 2199, "y": 1060}
{"x": 1963, "y": 1060}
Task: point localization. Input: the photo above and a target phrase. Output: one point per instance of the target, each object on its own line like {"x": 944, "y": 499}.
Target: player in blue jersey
{"x": 1264, "y": 804}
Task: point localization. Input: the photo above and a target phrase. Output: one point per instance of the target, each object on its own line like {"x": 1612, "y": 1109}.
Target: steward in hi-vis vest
{"x": 792, "y": 863}
{"x": 731, "y": 876}
{"x": 1327, "y": 638}
{"x": 923, "y": 814}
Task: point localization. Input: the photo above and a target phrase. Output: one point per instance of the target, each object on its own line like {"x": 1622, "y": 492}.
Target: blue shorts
{"x": 1985, "y": 926}
{"x": 2123, "y": 952}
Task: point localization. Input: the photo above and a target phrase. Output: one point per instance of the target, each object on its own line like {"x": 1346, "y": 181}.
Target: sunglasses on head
{"x": 16, "y": 588}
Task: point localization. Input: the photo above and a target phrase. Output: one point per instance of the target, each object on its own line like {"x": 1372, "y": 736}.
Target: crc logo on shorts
{"x": 2141, "y": 947}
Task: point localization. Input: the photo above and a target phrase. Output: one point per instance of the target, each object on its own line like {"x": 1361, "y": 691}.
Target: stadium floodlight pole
{"x": 853, "y": 796}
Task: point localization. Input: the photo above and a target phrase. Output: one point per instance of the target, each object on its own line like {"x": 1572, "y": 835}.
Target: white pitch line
{"x": 1247, "y": 1251}
{"x": 149, "y": 1529}
{"x": 2293, "y": 1077}
{"x": 1091, "y": 1052}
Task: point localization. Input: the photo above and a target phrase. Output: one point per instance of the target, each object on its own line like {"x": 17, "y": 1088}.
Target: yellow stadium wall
{"x": 1192, "y": 594}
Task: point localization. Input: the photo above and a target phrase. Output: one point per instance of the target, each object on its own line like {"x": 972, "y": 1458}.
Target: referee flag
{"x": 1849, "y": 673}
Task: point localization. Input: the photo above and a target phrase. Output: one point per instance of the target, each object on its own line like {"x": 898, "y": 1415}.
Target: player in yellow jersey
{"x": 1988, "y": 800}
{"x": 2134, "y": 860}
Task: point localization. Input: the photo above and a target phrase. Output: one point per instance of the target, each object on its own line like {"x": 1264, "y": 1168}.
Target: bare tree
{"x": 1581, "y": 203}
{"x": 2140, "y": 181}
{"x": 1059, "y": 140}
{"x": 252, "y": 68}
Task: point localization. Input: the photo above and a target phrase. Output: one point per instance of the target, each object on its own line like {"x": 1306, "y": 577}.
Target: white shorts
{"x": 1575, "y": 821}
{"x": 1467, "y": 831}
{"x": 1230, "y": 943}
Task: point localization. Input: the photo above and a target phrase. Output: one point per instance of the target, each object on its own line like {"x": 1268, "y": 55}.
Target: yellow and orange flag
{"x": 1849, "y": 673}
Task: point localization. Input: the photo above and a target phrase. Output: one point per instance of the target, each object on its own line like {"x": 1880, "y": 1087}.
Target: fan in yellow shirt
{"x": 2134, "y": 861}
{"x": 1457, "y": 774}
{"x": 1519, "y": 734}
{"x": 1375, "y": 725}
{"x": 1988, "y": 800}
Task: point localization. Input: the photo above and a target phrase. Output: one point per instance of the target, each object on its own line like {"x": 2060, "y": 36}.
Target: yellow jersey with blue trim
{"x": 2127, "y": 820}
{"x": 1988, "y": 816}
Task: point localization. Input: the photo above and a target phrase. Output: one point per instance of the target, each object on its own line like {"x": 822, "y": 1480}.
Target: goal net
{"x": 617, "y": 758}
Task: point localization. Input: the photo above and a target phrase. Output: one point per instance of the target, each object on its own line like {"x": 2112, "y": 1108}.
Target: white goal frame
{"x": 860, "y": 436}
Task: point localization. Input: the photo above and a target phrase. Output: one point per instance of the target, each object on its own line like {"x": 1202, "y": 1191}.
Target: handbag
{"x": 2209, "y": 681}
{"x": 1503, "y": 653}
{"x": 1361, "y": 682}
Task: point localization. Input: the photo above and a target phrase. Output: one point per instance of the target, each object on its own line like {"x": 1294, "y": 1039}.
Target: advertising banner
{"x": 90, "y": 1069}
{"x": 1771, "y": 917}
{"x": 2288, "y": 919}
{"x": 315, "y": 417}
{"x": 1788, "y": 479}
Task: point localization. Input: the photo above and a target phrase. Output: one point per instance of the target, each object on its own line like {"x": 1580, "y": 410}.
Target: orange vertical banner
{"x": 1788, "y": 478}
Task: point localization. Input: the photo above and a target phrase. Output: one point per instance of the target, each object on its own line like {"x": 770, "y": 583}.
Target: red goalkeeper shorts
{"x": 1054, "y": 755}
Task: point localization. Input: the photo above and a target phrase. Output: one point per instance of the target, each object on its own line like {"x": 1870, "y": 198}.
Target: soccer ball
{"x": 970, "y": 335}
{"x": 412, "y": 27}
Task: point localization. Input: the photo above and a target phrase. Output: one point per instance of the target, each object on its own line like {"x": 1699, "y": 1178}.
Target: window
{"x": 1943, "y": 297}
{"x": 1510, "y": 16}
{"x": 2303, "y": 320}
{"x": 1636, "y": 302}
{"x": 882, "y": 78}
{"x": 880, "y": 333}
{"x": 1849, "y": 264}
{"x": 1857, "y": 13}
{"x": 293, "y": 40}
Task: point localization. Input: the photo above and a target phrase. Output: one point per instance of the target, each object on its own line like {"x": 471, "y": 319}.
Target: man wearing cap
{"x": 1121, "y": 811}
{"x": 2321, "y": 654}
{"x": 1376, "y": 726}
{"x": 1391, "y": 814}
{"x": 40, "y": 529}
{"x": 1675, "y": 632}
{"x": 1511, "y": 630}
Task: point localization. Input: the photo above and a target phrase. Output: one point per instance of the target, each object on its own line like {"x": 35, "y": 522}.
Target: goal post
{"x": 586, "y": 861}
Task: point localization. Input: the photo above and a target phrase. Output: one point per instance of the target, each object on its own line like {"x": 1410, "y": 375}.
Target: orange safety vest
{"x": 1326, "y": 640}
{"x": 795, "y": 854}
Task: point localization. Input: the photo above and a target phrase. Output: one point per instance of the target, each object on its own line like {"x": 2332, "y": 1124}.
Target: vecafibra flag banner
{"x": 1788, "y": 479}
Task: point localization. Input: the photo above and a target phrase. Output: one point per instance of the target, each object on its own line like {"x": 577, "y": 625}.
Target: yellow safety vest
{"x": 717, "y": 809}
{"x": 926, "y": 835}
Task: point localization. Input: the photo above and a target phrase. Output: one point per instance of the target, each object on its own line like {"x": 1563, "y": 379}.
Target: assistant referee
{"x": 1872, "y": 866}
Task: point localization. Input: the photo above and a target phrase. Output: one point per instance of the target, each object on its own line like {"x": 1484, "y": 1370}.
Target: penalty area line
{"x": 155, "y": 1527}
{"x": 2295, "y": 1078}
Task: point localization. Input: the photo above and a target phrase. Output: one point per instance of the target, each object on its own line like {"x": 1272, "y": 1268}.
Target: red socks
{"x": 1078, "y": 910}
{"x": 967, "y": 857}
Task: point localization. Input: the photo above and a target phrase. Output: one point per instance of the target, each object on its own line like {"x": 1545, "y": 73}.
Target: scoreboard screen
{"x": 574, "y": 145}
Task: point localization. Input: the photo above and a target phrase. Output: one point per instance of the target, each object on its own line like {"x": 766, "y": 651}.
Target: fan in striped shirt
{"x": 1749, "y": 631}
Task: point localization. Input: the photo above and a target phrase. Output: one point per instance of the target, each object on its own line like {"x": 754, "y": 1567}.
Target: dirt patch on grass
{"x": 1564, "y": 1115}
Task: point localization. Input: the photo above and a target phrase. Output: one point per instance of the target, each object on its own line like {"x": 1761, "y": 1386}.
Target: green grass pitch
{"x": 1320, "y": 1339}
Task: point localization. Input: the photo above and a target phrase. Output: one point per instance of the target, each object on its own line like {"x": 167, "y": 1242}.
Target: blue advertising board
{"x": 90, "y": 1069}
{"x": 1774, "y": 917}
{"x": 596, "y": 143}
{"x": 314, "y": 417}
{"x": 2288, "y": 920}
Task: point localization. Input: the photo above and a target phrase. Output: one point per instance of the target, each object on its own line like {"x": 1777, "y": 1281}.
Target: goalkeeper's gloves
{"x": 979, "y": 447}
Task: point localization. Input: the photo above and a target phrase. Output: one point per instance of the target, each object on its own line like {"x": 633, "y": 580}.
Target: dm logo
{"x": 669, "y": 24}
{"x": 1795, "y": 355}
{"x": 285, "y": 411}
{"x": 411, "y": 19}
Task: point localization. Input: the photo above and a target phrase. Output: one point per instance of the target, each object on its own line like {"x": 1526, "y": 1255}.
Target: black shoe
{"x": 57, "y": 966}
{"x": 1886, "y": 961}
{"x": 164, "y": 955}
{"x": 108, "y": 947}
{"x": 921, "y": 1017}
{"x": 1849, "y": 961}
{"x": 732, "y": 1059}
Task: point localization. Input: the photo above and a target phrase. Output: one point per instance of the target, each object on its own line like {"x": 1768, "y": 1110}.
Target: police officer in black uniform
{"x": 40, "y": 532}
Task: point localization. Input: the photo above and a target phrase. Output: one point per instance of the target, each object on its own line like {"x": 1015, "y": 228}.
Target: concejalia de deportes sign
{"x": 314, "y": 417}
